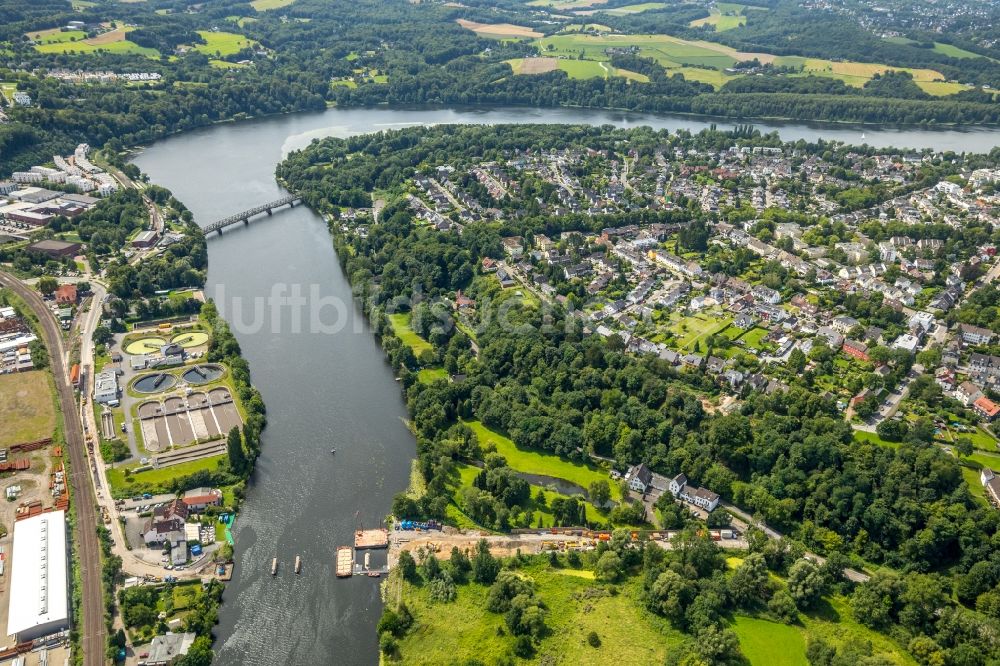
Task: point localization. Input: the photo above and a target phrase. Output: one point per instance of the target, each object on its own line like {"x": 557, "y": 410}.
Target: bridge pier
{"x": 269, "y": 211}
{"x": 246, "y": 222}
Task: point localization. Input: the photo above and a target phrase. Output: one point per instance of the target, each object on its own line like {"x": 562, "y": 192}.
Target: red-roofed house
{"x": 986, "y": 408}
{"x": 66, "y": 294}
{"x": 856, "y": 349}
{"x": 199, "y": 498}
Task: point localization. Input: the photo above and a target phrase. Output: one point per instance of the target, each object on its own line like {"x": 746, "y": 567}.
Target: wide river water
{"x": 322, "y": 374}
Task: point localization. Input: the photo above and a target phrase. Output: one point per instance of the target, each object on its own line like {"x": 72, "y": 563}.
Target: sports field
{"x": 26, "y": 409}
{"x": 499, "y": 30}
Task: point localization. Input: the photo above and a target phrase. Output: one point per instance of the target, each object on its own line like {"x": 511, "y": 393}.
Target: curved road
{"x": 92, "y": 636}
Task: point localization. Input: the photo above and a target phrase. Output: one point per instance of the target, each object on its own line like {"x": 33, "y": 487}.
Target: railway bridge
{"x": 245, "y": 215}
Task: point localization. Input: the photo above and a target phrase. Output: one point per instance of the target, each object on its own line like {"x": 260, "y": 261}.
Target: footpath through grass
{"x": 546, "y": 464}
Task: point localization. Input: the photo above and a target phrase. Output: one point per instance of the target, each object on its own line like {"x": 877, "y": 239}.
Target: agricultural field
{"x": 586, "y": 27}
{"x": 222, "y": 43}
{"x": 112, "y": 41}
{"x": 56, "y": 36}
{"x": 465, "y": 631}
{"x": 27, "y": 411}
{"x": 266, "y": 5}
{"x": 401, "y": 327}
{"x": 853, "y": 73}
{"x": 724, "y": 16}
{"x": 499, "y": 30}
{"x": 566, "y": 4}
{"x": 576, "y": 69}
{"x": 627, "y": 9}
{"x": 537, "y": 462}
{"x": 670, "y": 52}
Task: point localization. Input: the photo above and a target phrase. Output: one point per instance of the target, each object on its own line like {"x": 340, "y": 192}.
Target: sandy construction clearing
{"x": 499, "y": 30}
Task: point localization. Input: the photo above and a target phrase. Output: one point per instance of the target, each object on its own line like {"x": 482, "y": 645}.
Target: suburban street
{"x": 92, "y": 632}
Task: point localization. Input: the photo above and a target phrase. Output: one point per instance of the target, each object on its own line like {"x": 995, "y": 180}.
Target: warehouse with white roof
{"x": 39, "y": 582}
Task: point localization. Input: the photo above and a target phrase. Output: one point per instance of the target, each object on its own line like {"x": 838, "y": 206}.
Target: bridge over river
{"x": 245, "y": 216}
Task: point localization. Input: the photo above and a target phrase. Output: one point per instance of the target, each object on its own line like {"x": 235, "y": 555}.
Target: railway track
{"x": 92, "y": 631}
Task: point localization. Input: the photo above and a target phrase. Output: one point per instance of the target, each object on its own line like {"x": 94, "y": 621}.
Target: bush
{"x": 523, "y": 647}
{"x": 593, "y": 640}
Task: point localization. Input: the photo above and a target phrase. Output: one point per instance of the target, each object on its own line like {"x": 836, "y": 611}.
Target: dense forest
{"x": 789, "y": 457}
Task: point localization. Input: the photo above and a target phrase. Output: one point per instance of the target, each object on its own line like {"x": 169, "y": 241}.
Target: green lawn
{"x": 767, "y": 643}
{"x": 864, "y": 436}
{"x": 157, "y": 480}
{"x": 222, "y": 43}
{"x": 954, "y": 51}
{"x": 462, "y": 631}
{"x": 696, "y": 328}
{"x": 401, "y": 327}
{"x": 536, "y": 462}
{"x": 431, "y": 375}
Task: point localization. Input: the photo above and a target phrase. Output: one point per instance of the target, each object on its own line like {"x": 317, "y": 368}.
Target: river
{"x": 327, "y": 390}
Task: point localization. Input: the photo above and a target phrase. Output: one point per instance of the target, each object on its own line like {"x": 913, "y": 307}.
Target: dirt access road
{"x": 92, "y": 632}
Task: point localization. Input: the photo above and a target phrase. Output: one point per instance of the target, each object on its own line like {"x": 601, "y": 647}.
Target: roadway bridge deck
{"x": 245, "y": 216}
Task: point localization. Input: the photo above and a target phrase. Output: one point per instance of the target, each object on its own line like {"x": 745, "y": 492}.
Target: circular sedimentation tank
{"x": 202, "y": 374}
{"x": 190, "y": 339}
{"x": 146, "y": 345}
{"x": 155, "y": 383}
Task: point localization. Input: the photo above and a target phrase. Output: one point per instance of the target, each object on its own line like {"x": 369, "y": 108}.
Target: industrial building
{"x": 39, "y": 580}
{"x": 106, "y": 388}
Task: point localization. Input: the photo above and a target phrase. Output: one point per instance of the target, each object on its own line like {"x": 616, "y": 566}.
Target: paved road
{"x": 851, "y": 574}
{"x": 92, "y": 632}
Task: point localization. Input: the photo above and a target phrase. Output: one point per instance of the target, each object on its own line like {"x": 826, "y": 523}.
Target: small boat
{"x": 274, "y": 566}
{"x": 332, "y": 451}
{"x": 862, "y": 136}
{"x": 298, "y": 564}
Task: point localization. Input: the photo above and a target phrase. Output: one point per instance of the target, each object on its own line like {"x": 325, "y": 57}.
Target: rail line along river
{"x": 334, "y": 390}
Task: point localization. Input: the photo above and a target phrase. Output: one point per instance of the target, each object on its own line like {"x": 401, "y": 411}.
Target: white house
{"x": 700, "y": 497}
{"x": 639, "y": 477}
